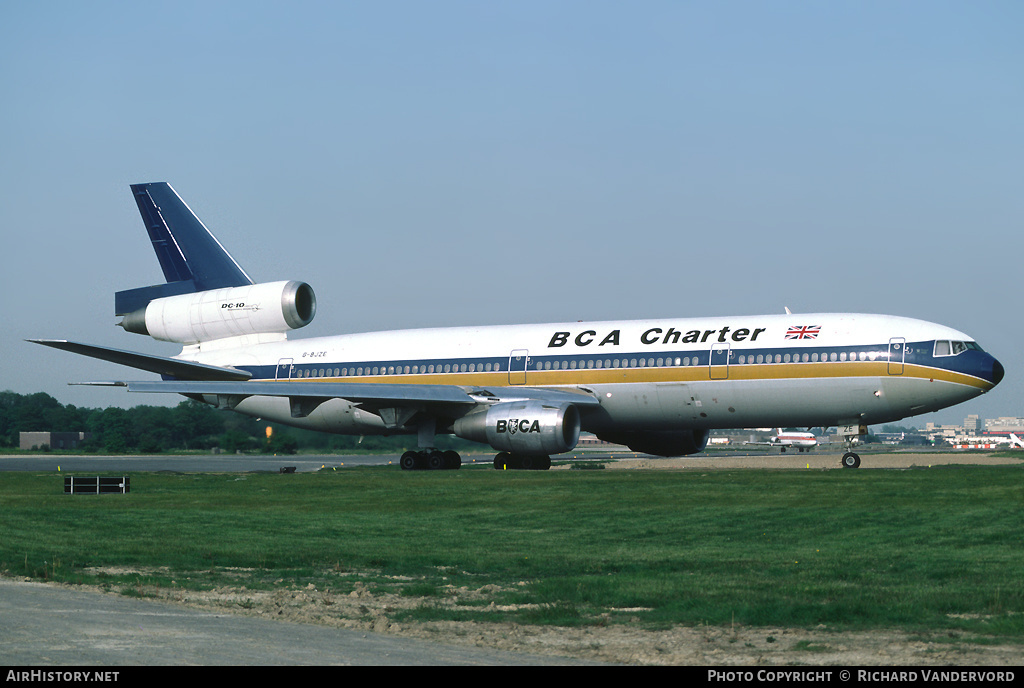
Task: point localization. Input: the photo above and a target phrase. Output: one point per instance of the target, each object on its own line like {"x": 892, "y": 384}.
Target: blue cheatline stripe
{"x": 665, "y": 366}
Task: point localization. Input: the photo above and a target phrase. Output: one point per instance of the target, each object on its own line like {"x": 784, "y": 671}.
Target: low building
{"x": 53, "y": 440}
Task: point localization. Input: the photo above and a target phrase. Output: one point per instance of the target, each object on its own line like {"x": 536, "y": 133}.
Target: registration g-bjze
{"x": 655, "y": 386}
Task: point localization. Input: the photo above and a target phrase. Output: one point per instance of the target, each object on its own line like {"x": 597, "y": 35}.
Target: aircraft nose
{"x": 997, "y": 371}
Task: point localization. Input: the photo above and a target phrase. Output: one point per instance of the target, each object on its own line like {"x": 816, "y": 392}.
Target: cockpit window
{"x": 947, "y": 348}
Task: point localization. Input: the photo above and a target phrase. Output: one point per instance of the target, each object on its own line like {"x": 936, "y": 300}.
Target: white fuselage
{"x": 716, "y": 372}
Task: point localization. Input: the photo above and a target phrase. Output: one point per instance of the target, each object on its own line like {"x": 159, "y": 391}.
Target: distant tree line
{"x": 191, "y": 425}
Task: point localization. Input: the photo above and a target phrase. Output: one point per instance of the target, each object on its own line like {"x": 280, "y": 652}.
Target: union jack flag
{"x": 803, "y": 332}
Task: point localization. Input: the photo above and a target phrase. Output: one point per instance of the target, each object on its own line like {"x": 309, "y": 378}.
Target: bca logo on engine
{"x": 515, "y": 425}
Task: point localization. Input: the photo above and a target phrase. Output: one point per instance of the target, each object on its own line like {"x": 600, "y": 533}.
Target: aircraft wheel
{"x": 502, "y": 461}
{"x": 851, "y": 460}
{"x": 452, "y": 460}
{"x": 435, "y": 460}
{"x": 409, "y": 460}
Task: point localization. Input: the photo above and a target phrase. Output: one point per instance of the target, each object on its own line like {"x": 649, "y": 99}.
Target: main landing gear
{"x": 522, "y": 462}
{"x": 430, "y": 459}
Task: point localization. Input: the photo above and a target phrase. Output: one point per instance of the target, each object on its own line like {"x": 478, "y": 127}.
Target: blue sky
{"x": 454, "y": 163}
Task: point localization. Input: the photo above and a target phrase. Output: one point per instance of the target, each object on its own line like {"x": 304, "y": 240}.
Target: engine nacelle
{"x": 661, "y": 442}
{"x": 274, "y": 307}
{"x": 523, "y": 427}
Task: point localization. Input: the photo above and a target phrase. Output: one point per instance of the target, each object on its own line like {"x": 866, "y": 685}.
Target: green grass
{"x": 916, "y": 549}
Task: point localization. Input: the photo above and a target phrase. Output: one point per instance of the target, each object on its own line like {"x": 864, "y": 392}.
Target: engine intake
{"x": 523, "y": 427}
{"x": 271, "y": 308}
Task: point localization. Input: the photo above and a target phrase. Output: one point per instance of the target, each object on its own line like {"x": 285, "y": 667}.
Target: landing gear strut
{"x": 524, "y": 462}
{"x": 430, "y": 459}
{"x": 849, "y": 434}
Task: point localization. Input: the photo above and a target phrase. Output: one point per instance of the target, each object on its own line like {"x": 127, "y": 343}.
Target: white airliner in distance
{"x": 1016, "y": 442}
{"x": 656, "y": 386}
{"x": 802, "y": 441}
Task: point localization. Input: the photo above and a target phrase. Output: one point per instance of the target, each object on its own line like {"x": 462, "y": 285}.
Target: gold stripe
{"x": 683, "y": 374}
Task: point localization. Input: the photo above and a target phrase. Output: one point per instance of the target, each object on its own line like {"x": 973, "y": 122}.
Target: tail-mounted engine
{"x": 526, "y": 427}
{"x": 270, "y": 308}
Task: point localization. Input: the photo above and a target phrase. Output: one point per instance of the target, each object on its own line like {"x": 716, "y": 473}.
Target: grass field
{"x": 926, "y": 548}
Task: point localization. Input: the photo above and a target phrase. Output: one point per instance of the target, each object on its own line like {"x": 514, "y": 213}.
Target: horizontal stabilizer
{"x": 172, "y": 367}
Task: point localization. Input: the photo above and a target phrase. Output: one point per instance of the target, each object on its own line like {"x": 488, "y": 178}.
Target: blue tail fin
{"x": 190, "y": 256}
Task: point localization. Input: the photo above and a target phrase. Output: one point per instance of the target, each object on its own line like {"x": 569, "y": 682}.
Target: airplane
{"x": 656, "y": 386}
{"x": 1016, "y": 442}
{"x": 803, "y": 441}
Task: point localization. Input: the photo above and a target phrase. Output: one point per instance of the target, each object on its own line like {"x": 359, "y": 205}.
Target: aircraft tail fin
{"x": 190, "y": 256}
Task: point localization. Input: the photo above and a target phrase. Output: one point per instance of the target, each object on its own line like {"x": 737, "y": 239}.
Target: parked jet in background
{"x": 803, "y": 441}
{"x": 656, "y": 386}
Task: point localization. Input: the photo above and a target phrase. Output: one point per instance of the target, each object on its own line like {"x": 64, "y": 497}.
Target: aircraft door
{"x": 719, "y": 368}
{"x": 284, "y": 369}
{"x": 518, "y": 361}
{"x": 897, "y": 353}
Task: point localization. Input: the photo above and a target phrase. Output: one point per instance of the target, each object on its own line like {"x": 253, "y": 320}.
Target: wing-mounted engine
{"x": 271, "y": 308}
{"x": 523, "y": 427}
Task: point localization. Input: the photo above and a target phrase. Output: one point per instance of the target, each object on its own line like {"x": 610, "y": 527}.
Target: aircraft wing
{"x": 229, "y": 386}
{"x": 446, "y": 400}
